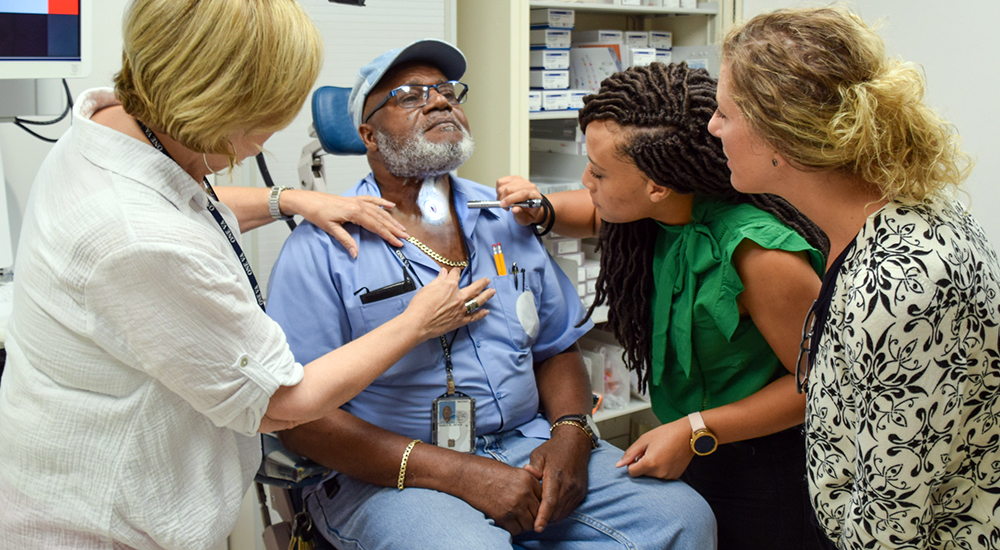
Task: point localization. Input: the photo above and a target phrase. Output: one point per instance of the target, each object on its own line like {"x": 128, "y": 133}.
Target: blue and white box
{"x": 637, "y": 39}
{"x": 553, "y": 18}
{"x": 551, "y": 38}
{"x": 544, "y": 58}
{"x": 664, "y": 56}
{"x": 534, "y": 101}
{"x": 555, "y": 100}
{"x": 640, "y": 57}
{"x": 543, "y": 79}
{"x": 602, "y": 36}
{"x": 576, "y": 98}
{"x": 661, "y": 40}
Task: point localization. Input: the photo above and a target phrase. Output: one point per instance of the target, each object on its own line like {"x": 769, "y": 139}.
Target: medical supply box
{"x": 552, "y": 18}
{"x": 661, "y": 40}
{"x": 551, "y": 38}
{"x": 544, "y": 58}
{"x": 555, "y": 100}
{"x": 637, "y": 39}
{"x": 534, "y": 100}
{"x": 548, "y": 80}
{"x": 603, "y": 36}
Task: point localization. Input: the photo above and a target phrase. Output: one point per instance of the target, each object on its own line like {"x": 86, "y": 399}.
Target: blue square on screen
{"x": 64, "y": 36}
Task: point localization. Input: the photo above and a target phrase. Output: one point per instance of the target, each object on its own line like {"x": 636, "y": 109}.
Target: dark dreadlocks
{"x": 664, "y": 112}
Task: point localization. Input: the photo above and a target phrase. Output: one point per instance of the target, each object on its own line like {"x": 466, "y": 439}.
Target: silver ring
{"x": 470, "y": 306}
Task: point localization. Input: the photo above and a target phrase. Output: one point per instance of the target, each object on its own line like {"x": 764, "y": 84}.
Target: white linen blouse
{"x": 139, "y": 364}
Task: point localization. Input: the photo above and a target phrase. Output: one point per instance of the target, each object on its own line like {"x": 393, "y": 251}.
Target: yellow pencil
{"x": 498, "y": 259}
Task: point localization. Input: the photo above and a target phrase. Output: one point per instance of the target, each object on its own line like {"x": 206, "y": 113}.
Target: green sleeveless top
{"x": 704, "y": 355}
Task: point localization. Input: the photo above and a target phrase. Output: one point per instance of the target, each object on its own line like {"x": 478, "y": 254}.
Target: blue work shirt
{"x": 314, "y": 295}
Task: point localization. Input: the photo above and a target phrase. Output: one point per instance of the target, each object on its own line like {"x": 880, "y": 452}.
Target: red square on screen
{"x": 64, "y": 7}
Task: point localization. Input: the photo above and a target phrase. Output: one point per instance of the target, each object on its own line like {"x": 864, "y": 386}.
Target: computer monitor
{"x": 45, "y": 38}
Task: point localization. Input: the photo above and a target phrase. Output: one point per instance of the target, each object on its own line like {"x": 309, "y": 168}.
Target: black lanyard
{"x": 445, "y": 345}
{"x": 215, "y": 214}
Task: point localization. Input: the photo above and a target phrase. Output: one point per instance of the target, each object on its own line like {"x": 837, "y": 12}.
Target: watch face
{"x": 704, "y": 444}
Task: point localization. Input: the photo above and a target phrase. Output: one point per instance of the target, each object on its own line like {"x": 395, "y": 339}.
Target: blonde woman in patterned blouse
{"x": 900, "y": 352}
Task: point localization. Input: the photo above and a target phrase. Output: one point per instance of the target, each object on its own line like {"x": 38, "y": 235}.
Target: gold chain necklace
{"x": 434, "y": 255}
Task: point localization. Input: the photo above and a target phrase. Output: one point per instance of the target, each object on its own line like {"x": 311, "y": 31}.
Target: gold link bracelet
{"x": 402, "y": 465}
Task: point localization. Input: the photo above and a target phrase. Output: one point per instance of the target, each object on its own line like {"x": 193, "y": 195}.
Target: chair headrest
{"x": 334, "y": 127}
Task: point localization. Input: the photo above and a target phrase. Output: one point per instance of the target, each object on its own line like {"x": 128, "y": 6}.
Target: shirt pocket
{"x": 518, "y": 303}
{"x": 425, "y": 355}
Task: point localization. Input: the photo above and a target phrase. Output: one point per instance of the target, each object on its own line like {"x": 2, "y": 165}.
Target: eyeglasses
{"x": 804, "y": 361}
{"x": 413, "y": 96}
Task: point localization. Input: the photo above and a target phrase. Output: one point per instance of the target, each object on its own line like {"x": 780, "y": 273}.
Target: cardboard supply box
{"x": 561, "y": 245}
{"x": 664, "y": 56}
{"x": 637, "y": 39}
{"x": 545, "y": 58}
{"x": 551, "y": 38}
{"x": 661, "y": 40}
{"x": 555, "y": 100}
{"x": 640, "y": 57}
{"x": 576, "y": 98}
{"x": 563, "y": 129}
{"x": 553, "y": 18}
{"x": 534, "y": 100}
{"x": 603, "y": 36}
{"x": 549, "y": 80}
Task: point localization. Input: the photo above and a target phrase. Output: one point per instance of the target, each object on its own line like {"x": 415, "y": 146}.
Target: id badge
{"x": 454, "y": 422}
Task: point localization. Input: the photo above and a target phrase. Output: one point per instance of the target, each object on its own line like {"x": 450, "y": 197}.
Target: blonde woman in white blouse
{"x": 900, "y": 356}
{"x": 140, "y": 363}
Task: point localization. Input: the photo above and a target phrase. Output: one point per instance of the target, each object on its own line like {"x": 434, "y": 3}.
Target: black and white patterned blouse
{"x": 903, "y": 416}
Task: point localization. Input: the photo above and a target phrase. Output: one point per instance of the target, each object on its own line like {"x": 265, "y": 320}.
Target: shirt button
{"x": 479, "y": 343}
{"x": 244, "y": 361}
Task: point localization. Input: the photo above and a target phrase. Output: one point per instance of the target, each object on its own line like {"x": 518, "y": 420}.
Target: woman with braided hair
{"x": 902, "y": 362}
{"x": 707, "y": 289}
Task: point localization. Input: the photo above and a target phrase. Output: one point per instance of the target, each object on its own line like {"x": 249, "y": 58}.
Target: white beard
{"x": 419, "y": 157}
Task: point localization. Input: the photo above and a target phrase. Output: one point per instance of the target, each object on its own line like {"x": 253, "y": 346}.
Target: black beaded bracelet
{"x": 550, "y": 218}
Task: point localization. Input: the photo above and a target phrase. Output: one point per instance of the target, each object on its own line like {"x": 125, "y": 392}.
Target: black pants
{"x": 757, "y": 490}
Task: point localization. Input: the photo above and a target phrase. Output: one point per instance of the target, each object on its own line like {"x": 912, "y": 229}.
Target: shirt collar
{"x": 127, "y": 156}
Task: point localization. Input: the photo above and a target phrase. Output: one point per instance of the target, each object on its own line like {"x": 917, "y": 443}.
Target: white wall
{"x": 951, "y": 41}
{"x": 352, "y": 37}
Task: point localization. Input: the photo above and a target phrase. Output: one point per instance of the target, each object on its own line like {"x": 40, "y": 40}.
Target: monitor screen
{"x": 44, "y": 38}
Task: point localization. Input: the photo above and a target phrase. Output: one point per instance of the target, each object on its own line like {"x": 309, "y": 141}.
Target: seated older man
{"x": 481, "y": 438}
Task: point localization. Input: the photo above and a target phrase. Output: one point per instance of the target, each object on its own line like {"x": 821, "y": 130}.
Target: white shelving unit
{"x": 494, "y": 35}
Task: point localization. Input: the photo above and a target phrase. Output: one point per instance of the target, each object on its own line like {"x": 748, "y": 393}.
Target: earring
{"x": 205, "y": 157}
{"x": 774, "y": 162}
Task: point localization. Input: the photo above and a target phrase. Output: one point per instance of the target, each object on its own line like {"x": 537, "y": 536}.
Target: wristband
{"x": 550, "y": 218}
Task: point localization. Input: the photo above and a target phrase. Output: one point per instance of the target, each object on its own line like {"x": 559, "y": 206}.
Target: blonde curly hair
{"x": 205, "y": 70}
{"x": 817, "y": 85}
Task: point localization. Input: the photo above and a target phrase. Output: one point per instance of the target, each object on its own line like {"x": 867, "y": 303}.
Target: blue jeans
{"x": 619, "y": 512}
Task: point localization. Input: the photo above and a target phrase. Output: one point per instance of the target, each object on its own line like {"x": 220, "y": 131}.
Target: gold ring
{"x": 470, "y": 306}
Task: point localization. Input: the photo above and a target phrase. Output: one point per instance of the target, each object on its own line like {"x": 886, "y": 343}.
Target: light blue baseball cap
{"x": 447, "y": 58}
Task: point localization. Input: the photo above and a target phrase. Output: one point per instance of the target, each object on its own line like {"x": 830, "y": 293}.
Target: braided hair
{"x": 663, "y": 111}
